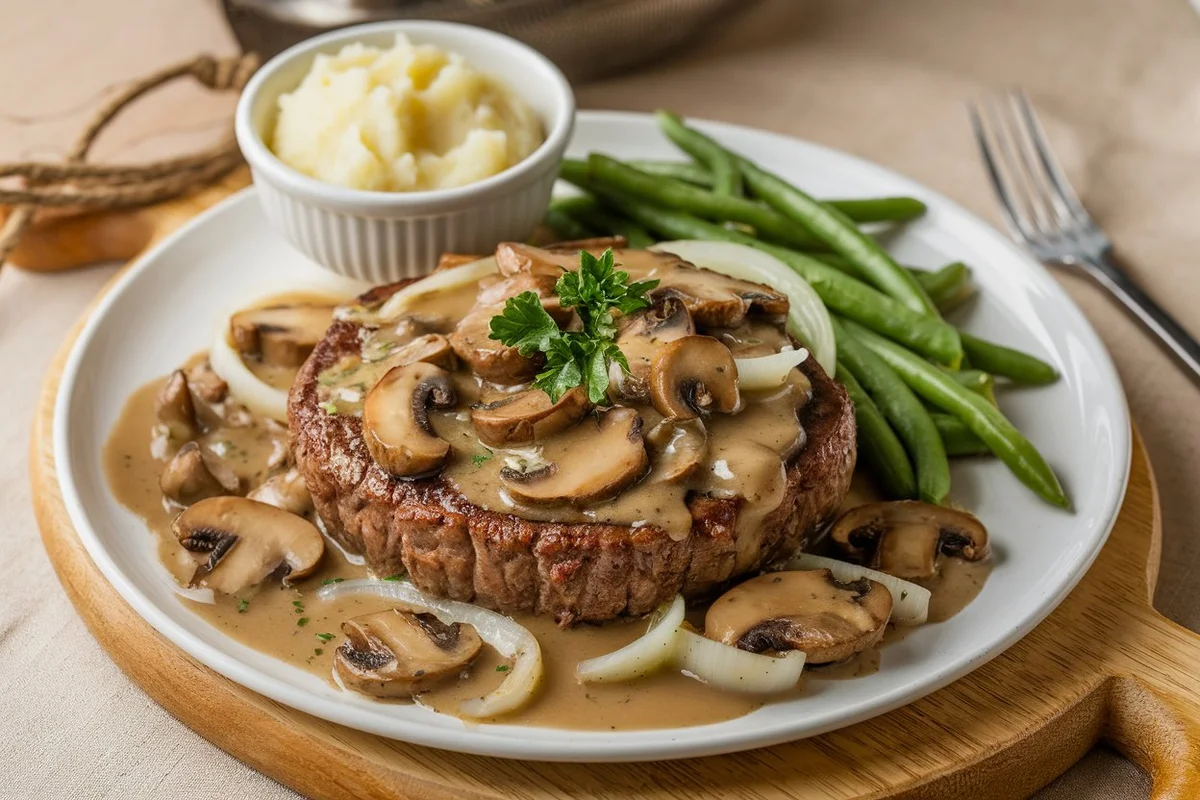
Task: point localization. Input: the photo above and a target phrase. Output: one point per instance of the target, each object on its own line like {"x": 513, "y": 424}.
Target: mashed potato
{"x": 409, "y": 118}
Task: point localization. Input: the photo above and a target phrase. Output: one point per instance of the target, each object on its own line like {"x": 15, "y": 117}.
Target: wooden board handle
{"x": 1154, "y": 715}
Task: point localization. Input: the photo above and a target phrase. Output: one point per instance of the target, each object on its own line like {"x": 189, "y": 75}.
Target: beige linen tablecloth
{"x": 1118, "y": 84}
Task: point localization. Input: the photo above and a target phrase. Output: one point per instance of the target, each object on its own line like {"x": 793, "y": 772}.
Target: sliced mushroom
{"x": 281, "y": 335}
{"x": 452, "y": 260}
{"x": 594, "y": 462}
{"x": 432, "y": 348}
{"x": 716, "y": 300}
{"x": 513, "y": 259}
{"x": 527, "y": 416}
{"x": 193, "y": 474}
{"x": 806, "y": 610}
{"x": 694, "y": 376}
{"x": 247, "y": 542}
{"x": 400, "y": 653}
{"x": 489, "y": 358}
{"x": 677, "y": 449}
{"x": 287, "y": 491}
{"x": 206, "y": 383}
{"x": 396, "y": 419}
{"x": 174, "y": 408}
{"x": 905, "y": 538}
{"x": 641, "y": 335}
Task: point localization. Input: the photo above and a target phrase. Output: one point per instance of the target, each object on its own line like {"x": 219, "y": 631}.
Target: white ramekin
{"x": 386, "y": 236}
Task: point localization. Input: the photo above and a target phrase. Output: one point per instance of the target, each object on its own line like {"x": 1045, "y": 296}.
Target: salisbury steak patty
{"x": 575, "y": 571}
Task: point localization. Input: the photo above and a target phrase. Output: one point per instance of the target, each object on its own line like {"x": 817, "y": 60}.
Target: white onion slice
{"x": 247, "y": 388}
{"x": 736, "y": 670}
{"x": 910, "y": 602}
{"x": 808, "y": 319}
{"x": 510, "y": 640}
{"x": 641, "y": 656}
{"x": 440, "y": 281}
{"x": 768, "y": 372}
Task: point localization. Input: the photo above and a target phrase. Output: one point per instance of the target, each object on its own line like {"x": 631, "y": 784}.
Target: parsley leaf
{"x": 524, "y": 324}
{"x": 479, "y": 459}
{"x": 575, "y": 358}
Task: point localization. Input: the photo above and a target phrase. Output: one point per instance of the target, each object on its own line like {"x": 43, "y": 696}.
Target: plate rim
{"x": 496, "y": 740}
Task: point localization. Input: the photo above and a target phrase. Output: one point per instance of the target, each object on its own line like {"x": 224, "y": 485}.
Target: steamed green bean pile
{"x": 923, "y": 391}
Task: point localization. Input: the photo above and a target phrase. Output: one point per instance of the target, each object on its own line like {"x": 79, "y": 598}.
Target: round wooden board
{"x": 1104, "y": 665}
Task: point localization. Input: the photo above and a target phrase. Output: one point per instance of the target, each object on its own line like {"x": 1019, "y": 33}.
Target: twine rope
{"x": 76, "y": 183}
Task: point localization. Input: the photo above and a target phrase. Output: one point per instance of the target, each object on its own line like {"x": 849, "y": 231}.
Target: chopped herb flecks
{"x": 328, "y": 581}
{"x": 300, "y": 623}
{"x": 479, "y": 459}
{"x": 243, "y": 605}
{"x": 502, "y": 668}
{"x": 324, "y": 637}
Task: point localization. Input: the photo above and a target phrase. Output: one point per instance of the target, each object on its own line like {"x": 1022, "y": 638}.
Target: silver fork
{"x": 1044, "y": 213}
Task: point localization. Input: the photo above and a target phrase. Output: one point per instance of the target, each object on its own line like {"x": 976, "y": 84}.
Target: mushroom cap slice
{"x": 806, "y": 610}
{"x": 677, "y": 449}
{"x": 694, "y": 376}
{"x": 399, "y": 653}
{"x": 527, "y": 416}
{"x": 174, "y": 408}
{"x": 905, "y": 538}
{"x": 594, "y": 462}
{"x": 716, "y": 300}
{"x": 284, "y": 335}
{"x": 396, "y": 419}
{"x": 192, "y": 475}
{"x": 287, "y": 490}
{"x": 642, "y": 334}
{"x": 247, "y": 542}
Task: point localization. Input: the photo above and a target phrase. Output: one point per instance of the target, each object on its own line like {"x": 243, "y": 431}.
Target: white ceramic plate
{"x": 165, "y": 308}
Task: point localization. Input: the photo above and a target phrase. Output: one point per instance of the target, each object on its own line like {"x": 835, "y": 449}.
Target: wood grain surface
{"x": 1105, "y": 665}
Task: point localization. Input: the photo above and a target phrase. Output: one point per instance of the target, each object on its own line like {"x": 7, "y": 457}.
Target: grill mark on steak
{"x": 577, "y": 572}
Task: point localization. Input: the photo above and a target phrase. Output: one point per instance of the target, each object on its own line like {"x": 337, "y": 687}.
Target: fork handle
{"x": 1109, "y": 274}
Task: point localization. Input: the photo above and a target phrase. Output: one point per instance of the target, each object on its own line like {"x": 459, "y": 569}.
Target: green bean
{"x": 859, "y": 209}
{"x": 573, "y": 170}
{"x": 710, "y": 205}
{"x": 574, "y": 203}
{"x": 827, "y": 224}
{"x": 877, "y": 443}
{"x": 984, "y": 420}
{"x": 1008, "y": 363}
{"x": 607, "y": 222}
{"x": 879, "y": 209}
{"x": 727, "y": 177}
{"x": 949, "y": 286}
{"x": 565, "y": 225}
{"x": 902, "y": 409}
{"x": 686, "y": 171}
{"x": 832, "y": 227}
{"x": 928, "y": 336}
{"x": 978, "y": 381}
{"x": 957, "y": 437}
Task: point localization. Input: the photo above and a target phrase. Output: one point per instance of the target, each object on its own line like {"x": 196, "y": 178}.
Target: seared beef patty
{"x": 577, "y": 572}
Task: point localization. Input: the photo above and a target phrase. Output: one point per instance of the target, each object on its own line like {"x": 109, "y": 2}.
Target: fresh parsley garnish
{"x": 300, "y": 623}
{"x": 243, "y": 606}
{"x": 324, "y": 637}
{"x": 502, "y": 668}
{"x": 575, "y": 358}
{"x": 479, "y": 459}
{"x": 328, "y": 581}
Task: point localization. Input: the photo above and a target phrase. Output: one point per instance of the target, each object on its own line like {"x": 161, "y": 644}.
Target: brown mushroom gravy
{"x": 185, "y": 438}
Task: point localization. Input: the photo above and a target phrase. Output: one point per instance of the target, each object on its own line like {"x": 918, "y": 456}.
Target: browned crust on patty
{"x": 575, "y": 571}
